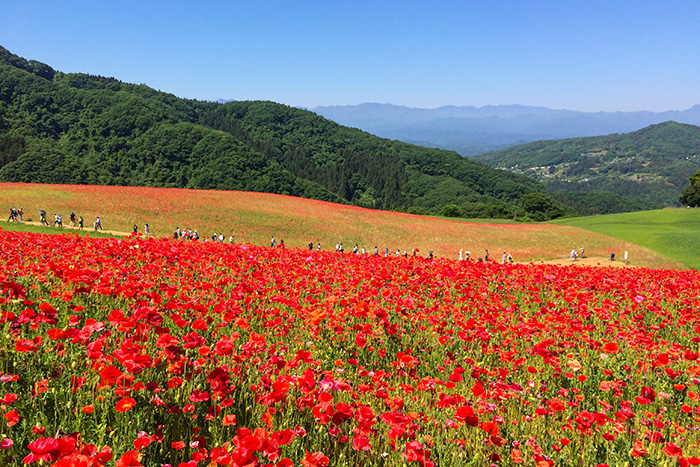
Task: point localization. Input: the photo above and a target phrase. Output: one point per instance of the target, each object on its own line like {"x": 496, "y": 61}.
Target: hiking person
{"x": 20, "y": 212}
{"x": 98, "y": 224}
{"x": 42, "y": 215}
{"x": 80, "y": 222}
{"x": 72, "y": 219}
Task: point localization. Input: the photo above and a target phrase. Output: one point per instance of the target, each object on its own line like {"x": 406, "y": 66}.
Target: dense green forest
{"x": 75, "y": 128}
{"x": 645, "y": 169}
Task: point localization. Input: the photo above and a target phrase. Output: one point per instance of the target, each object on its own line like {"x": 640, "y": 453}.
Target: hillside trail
{"x": 586, "y": 261}
{"x": 67, "y": 226}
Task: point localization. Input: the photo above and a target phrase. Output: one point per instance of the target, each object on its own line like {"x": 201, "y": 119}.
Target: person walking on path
{"x": 146, "y": 230}
{"x": 81, "y": 222}
{"x": 98, "y": 224}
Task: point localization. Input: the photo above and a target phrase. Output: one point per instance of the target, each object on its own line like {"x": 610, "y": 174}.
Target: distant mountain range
{"x": 474, "y": 130}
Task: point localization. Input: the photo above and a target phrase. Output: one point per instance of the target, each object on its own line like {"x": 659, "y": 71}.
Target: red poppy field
{"x": 132, "y": 352}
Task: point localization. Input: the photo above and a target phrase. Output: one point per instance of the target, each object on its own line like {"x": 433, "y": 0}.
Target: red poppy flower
{"x": 317, "y": 459}
{"x": 43, "y": 449}
{"x": 125, "y": 404}
{"x": 12, "y": 418}
{"x": 129, "y": 459}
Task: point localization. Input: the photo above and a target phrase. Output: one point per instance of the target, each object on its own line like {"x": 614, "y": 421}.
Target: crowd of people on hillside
{"x": 573, "y": 255}
{"x": 189, "y": 234}
{"x": 75, "y": 221}
{"x": 16, "y": 215}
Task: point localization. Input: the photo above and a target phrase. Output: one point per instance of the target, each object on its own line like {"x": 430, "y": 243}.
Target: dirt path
{"x": 587, "y": 261}
{"x": 67, "y": 226}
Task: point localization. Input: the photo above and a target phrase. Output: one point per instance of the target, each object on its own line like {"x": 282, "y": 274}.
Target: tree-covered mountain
{"x": 639, "y": 170}
{"x": 75, "y": 128}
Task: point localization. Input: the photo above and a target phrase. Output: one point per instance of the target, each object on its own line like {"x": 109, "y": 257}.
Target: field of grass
{"x": 674, "y": 233}
{"x": 255, "y": 217}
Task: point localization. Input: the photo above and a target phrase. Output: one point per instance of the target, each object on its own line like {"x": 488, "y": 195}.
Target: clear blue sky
{"x": 593, "y": 55}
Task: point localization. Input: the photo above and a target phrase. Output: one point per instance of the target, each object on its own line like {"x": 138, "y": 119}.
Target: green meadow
{"x": 674, "y": 233}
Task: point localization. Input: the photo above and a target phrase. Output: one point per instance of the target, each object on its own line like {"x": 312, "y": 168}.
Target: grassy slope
{"x": 673, "y": 233}
{"x": 254, "y": 217}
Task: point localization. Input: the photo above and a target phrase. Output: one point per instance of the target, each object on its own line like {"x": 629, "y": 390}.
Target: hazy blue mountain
{"x": 473, "y": 130}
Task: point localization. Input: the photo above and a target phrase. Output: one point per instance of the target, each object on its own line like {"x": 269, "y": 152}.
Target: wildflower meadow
{"x": 134, "y": 352}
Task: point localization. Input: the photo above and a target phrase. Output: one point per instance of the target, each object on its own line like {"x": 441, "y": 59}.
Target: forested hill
{"x": 643, "y": 169}
{"x": 75, "y": 128}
